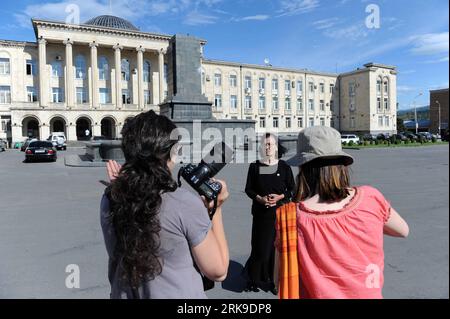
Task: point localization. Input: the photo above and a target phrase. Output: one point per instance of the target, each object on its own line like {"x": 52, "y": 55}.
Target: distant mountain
{"x": 423, "y": 113}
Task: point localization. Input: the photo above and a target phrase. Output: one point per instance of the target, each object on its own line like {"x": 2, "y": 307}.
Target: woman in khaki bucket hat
{"x": 339, "y": 227}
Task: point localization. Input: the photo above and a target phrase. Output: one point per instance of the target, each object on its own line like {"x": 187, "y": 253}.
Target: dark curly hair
{"x": 135, "y": 195}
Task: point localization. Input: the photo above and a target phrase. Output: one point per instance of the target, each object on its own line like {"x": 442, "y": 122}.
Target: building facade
{"x": 439, "y": 111}
{"x": 92, "y": 77}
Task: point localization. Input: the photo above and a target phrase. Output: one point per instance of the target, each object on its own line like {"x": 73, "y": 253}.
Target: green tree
{"x": 400, "y": 126}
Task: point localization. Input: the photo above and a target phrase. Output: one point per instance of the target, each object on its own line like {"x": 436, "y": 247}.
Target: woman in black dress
{"x": 270, "y": 183}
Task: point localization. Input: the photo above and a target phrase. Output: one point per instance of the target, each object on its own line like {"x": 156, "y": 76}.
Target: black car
{"x": 383, "y": 136}
{"x": 401, "y": 137}
{"x": 40, "y": 150}
{"x": 369, "y": 137}
{"x": 27, "y": 143}
{"x": 410, "y": 135}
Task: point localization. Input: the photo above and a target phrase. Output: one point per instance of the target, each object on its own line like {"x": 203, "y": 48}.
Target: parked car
{"x": 426, "y": 135}
{"x": 27, "y": 142}
{"x": 445, "y": 135}
{"x": 400, "y": 137}
{"x": 40, "y": 150}
{"x": 3, "y": 145}
{"x": 349, "y": 137}
{"x": 59, "y": 140}
{"x": 411, "y": 135}
{"x": 383, "y": 136}
{"x": 369, "y": 137}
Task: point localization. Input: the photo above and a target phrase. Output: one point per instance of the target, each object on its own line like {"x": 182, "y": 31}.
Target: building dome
{"x": 108, "y": 21}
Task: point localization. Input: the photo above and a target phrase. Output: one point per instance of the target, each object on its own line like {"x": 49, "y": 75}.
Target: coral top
{"x": 341, "y": 252}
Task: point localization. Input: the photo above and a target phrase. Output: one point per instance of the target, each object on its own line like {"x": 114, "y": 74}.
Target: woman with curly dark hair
{"x": 153, "y": 230}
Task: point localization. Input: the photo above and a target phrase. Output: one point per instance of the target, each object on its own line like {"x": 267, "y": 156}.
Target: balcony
{"x": 299, "y": 111}
{"x": 275, "y": 111}
{"x": 262, "y": 111}
{"x": 248, "y": 110}
{"x": 288, "y": 111}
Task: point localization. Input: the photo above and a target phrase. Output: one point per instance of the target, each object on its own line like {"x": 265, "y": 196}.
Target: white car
{"x": 58, "y": 140}
{"x": 349, "y": 137}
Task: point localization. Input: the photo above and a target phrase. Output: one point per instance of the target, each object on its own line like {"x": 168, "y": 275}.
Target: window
{"x": 31, "y": 94}
{"x": 233, "y": 102}
{"x": 262, "y": 122}
{"x": 125, "y": 68}
{"x": 322, "y": 105}
{"x": 352, "y": 122}
{"x": 233, "y": 80}
{"x": 57, "y": 95}
{"x": 331, "y": 88}
{"x": 299, "y": 87}
{"x": 322, "y": 87}
{"x": 275, "y": 122}
{"x": 351, "y": 89}
{"x": 80, "y": 67}
{"x": 275, "y": 104}
{"x": 147, "y": 97}
{"x": 311, "y": 87}
{"x": 81, "y": 95}
{"x": 287, "y": 104}
{"x": 287, "y": 87}
{"x": 332, "y": 105}
{"x": 275, "y": 86}
{"x": 322, "y": 121}
{"x": 147, "y": 72}
{"x": 56, "y": 69}
{"x": 5, "y": 125}
{"x": 386, "y": 88}
{"x": 386, "y": 104}
{"x": 103, "y": 68}
{"x": 31, "y": 67}
{"x": 262, "y": 83}
{"x": 262, "y": 103}
{"x": 248, "y": 82}
{"x": 126, "y": 98}
{"x": 378, "y": 86}
{"x": 379, "y": 104}
{"x": 311, "y": 104}
{"x": 288, "y": 122}
{"x": 218, "y": 79}
{"x": 5, "y": 67}
{"x": 380, "y": 121}
{"x": 248, "y": 102}
{"x": 299, "y": 105}
{"x": 386, "y": 121}
{"x": 218, "y": 100}
{"x": 332, "y": 122}
{"x": 104, "y": 96}
{"x": 311, "y": 122}
{"x": 5, "y": 95}
{"x": 300, "y": 122}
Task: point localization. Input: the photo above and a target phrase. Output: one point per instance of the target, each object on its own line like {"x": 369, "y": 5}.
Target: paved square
{"x": 49, "y": 218}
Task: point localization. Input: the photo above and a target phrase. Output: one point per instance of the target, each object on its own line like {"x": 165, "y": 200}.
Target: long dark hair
{"x": 330, "y": 180}
{"x": 136, "y": 195}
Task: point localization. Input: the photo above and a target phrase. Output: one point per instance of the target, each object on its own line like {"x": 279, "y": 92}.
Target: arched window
{"x": 125, "y": 66}
{"x": 80, "y": 67}
{"x": 103, "y": 68}
{"x": 147, "y": 71}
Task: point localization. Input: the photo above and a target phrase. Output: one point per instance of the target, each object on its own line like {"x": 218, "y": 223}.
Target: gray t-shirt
{"x": 184, "y": 224}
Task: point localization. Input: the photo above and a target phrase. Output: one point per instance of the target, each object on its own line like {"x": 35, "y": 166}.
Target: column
{"x": 71, "y": 132}
{"x": 43, "y": 76}
{"x": 94, "y": 75}
{"x": 70, "y": 89}
{"x": 45, "y": 130}
{"x": 161, "y": 75}
{"x": 140, "y": 60}
{"x": 118, "y": 65}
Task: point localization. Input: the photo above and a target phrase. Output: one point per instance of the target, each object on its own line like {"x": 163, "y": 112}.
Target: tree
{"x": 400, "y": 126}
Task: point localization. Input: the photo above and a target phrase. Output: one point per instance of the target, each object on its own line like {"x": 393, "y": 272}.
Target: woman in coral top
{"x": 339, "y": 227}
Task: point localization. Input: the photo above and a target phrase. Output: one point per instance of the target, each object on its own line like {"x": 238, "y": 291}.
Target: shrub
{"x": 366, "y": 143}
{"x": 433, "y": 139}
{"x": 344, "y": 143}
{"x": 377, "y": 142}
{"x": 407, "y": 141}
{"x": 351, "y": 143}
{"x": 397, "y": 142}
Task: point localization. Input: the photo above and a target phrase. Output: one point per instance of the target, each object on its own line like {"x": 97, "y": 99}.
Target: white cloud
{"x": 293, "y": 7}
{"x": 405, "y": 88}
{"x": 258, "y": 17}
{"x": 430, "y": 44}
{"x": 325, "y": 23}
{"x": 197, "y": 18}
{"x": 352, "y": 32}
{"x": 441, "y": 60}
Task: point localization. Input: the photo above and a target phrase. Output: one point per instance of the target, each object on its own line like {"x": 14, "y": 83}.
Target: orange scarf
{"x": 286, "y": 245}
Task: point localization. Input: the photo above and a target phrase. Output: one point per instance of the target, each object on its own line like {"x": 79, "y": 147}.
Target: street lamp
{"x": 415, "y": 112}
{"x": 439, "y": 117}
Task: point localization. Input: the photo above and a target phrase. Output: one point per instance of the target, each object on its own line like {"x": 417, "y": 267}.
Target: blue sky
{"x": 321, "y": 35}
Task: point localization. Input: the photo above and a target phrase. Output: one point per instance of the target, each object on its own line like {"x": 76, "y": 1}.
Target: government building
{"x": 93, "y": 76}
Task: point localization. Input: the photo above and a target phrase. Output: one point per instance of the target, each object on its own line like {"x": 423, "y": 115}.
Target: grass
{"x": 393, "y": 145}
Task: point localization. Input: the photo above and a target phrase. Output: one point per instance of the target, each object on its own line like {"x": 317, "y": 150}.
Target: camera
{"x": 199, "y": 177}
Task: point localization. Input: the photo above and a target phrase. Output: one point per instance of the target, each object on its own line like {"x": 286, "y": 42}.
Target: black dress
{"x": 263, "y": 180}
